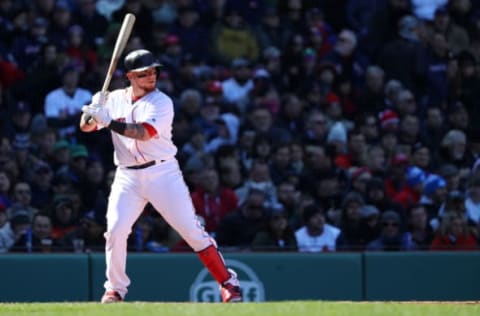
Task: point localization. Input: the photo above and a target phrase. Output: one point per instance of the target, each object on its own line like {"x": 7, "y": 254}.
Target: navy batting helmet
{"x": 139, "y": 60}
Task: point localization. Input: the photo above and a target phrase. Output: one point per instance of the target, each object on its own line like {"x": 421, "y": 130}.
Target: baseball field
{"x": 247, "y": 309}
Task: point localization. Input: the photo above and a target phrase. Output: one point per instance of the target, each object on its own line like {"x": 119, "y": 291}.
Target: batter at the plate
{"x": 140, "y": 119}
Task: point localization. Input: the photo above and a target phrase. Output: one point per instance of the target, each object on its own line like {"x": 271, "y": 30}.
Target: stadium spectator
{"x": 77, "y": 164}
{"x": 280, "y": 164}
{"x": 421, "y": 157}
{"x": 456, "y": 35}
{"x": 236, "y": 89}
{"x": 418, "y": 227}
{"x": 375, "y": 195}
{"x": 372, "y": 97}
{"x": 94, "y": 191}
{"x": 351, "y": 225}
{"x": 409, "y": 55}
{"x": 316, "y": 128}
{"x": 458, "y": 117}
{"x": 395, "y": 181}
{"x": 376, "y": 161}
{"x": 259, "y": 178}
{"x": 453, "y": 149}
{"x": 92, "y": 22}
{"x": 277, "y": 235}
{"x": 316, "y": 235}
{"x": 229, "y": 166}
{"x": 63, "y": 217}
{"x": 233, "y": 37}
{"x": 347, "y": 59}
{"x": 369, "y": 223}
{"x": 264, "y": 93}
{"x": 191, "y": 33}
{"x": 87, "y": 236}
{"x": 211, "y": 200}
{"x": 288, "y": 197}
{"x": 451, "y": 174}
{"x": 433, "y": 129}
{"x": 19, "y": 125}
{"x": 21, "y": 200}
{"x": 438, "y": 55}
{"x": 434, "y": 195}
{"x": 290, "y": 116}
{"x": 61, "y": 20}
{"x": 41, "y": 184}
{"x": 34, "y": 235}
{"x": 391, "y": 237}
{"x": 238, "y": 229}
{"x": 28, "y": 46}
{"x": 63, "y": 104}
{"x": 292, "y": 14}
{"x": 261, "y": 119}
{"x": 79, "y": 51}
{"x": 42, "y": 76}
{"x": 227, "y": 132}
{"x": 454, "y": 234}
{"x": 405, "y": 103}
{"x": 271, "y": 31}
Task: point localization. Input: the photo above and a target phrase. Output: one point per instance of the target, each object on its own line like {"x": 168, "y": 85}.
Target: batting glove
{"x": 100, "y": 98}
{"x": 99, "y": 113}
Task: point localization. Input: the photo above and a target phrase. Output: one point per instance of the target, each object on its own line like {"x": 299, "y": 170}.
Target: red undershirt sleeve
{"x": 150, "y": 129}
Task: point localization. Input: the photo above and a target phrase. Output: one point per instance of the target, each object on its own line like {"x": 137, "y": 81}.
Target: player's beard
{"x": 148, "y": 86}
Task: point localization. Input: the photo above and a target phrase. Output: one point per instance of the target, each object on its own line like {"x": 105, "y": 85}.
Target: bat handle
{"x": 102, "y": 97}
{"x": 106, "y": 83}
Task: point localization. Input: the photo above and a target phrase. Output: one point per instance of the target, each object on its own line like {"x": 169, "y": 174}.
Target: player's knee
{"x": 117, "y": 232}
{"x": 197, "y": 241}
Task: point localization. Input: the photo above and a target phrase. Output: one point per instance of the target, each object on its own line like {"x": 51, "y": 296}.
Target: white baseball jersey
{"x": 156, "y": 109}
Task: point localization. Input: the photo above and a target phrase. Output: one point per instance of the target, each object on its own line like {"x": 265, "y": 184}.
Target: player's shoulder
{"x": 117, "y": 93}
{"x": 158, "y": 97}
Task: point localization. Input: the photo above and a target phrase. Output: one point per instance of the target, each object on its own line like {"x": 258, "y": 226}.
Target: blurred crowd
{"x": 310, "y": 126}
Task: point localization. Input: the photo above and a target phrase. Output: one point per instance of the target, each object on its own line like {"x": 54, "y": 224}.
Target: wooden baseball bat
{"x": 121, "y": 42}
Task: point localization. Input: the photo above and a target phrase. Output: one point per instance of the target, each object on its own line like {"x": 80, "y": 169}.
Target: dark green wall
{"x": 44, "y": 278}
{"x": 270, "y": 277}
{"x": 422, "y": 276}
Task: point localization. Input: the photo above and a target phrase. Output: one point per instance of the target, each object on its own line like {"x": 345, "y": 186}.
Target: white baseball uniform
{"x": 161, "y": 184}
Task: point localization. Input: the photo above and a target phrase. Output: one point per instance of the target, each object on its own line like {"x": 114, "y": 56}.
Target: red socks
{"x": 213, "y": 261}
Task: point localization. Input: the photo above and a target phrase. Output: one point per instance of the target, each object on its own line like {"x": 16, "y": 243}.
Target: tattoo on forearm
{"x": 135, "y": 130}
{"x": 131, "y": 130}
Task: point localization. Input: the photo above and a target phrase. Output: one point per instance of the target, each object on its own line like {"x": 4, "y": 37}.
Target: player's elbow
{"x": 149, "y": 131}
{"x": 146, "y": 137}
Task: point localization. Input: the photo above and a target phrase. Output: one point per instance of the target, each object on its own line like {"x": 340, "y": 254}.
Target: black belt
{"x": 145, "y": 165}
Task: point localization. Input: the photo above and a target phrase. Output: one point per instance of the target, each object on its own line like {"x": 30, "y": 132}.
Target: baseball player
{"x": 140, "y": 120}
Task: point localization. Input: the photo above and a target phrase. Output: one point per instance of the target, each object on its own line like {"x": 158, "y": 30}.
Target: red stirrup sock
{"x": 213, "y": 261}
